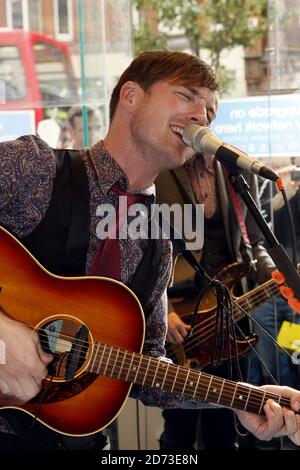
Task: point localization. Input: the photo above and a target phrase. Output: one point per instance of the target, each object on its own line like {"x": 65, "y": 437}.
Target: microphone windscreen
{"x": 193, "y": 133}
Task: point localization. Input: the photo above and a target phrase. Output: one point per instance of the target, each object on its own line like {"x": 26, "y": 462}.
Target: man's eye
{"x": 184, "y": 95}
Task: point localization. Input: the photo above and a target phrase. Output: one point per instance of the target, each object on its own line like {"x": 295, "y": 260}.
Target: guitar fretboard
{"x": 255, "y": 297}
{"x": 161, "y": 375}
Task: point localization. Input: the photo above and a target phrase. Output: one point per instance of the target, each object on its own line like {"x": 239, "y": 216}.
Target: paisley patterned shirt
{"x": 27, "y": 173}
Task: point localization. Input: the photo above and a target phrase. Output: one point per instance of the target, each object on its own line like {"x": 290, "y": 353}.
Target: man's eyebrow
{"x": 192, "y": 89}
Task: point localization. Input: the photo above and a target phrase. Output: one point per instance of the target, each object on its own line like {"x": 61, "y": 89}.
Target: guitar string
{"x": 258, "y": 394}
{"x": 255, "y": 399}
{"x": 141, "y": 359}
{"x": 200, "y": 326}
{"x": 210, "y": 321}
{"x": 195, "y": 338}
{"x": 157, "y": 365}
{"x": 208, "y": 325}
{"x": 78, "y": 355}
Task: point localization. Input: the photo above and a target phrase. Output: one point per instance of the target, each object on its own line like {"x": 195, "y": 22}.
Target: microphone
{"x": 202, "y": 140}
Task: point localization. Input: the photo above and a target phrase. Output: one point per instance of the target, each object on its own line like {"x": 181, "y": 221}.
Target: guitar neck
{"x": 255, "y": 297}
{"x": 259, "y": 295}
{"x": 161, "y": 375}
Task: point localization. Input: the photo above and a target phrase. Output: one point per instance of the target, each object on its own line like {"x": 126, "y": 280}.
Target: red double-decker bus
{"x": 36, "y": 73}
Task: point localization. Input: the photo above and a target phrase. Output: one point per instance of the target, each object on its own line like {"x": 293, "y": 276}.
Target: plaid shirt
{"x": 201, "y": 173}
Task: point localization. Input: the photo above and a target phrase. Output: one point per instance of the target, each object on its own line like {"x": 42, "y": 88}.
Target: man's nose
{"x": 199, "y": 116}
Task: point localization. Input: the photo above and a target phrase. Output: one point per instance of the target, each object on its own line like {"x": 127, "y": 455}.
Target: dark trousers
{"x": 31, "y": 435}
{"x": 211, "y": 428}
{"x": 208, "y": 428}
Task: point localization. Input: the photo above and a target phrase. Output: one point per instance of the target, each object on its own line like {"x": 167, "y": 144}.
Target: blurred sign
{"x": 264, "y": 126}
{"x": 13, "y": 124}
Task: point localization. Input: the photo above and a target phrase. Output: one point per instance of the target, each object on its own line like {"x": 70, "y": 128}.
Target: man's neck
{"x": 140, "y": 174}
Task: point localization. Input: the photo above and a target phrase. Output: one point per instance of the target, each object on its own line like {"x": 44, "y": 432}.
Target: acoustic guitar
{"x": 95, "y": 329}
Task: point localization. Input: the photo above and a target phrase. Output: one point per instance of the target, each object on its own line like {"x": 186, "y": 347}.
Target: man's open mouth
{"x": 178, "y": 131}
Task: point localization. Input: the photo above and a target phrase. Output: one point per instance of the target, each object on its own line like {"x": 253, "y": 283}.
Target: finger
{"x": 176, "y": 335}
{"x": 287, "y": 392}
{"x": 290, "y": 420}
{"x": 296, "y": 436}
{"x": 45, "y": 357}
{"x": 275, "y": 421}
{"x": 182, "y": 330}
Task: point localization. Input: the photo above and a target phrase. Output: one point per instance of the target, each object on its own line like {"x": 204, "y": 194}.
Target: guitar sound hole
{"x": 68, "y": 341}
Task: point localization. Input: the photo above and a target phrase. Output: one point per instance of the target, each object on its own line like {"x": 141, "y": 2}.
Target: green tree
{"x": 214, "y": 25}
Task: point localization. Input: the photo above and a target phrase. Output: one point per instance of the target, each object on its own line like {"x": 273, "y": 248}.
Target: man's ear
{"x": 130, "y": 95}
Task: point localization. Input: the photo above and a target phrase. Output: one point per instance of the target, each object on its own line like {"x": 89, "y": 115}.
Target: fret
{"x": 270, "y": 290}
{"x": 220, "y": 394}
{"x": 112, "y": 370}
{"x": 241, "y": 396}
{"x": 187, "y": 382}
{"x": 259, "y": 294}
{"x": 233, "y": 395}
{"x": 138, "y": 368}
{"x": 249, "y": 304}
{"x": 145, "y": 376}
{"x": 156, "y": 370}
{"x": 246, "y": 404}
{"x": 262, "y": 402}
{"x": 189, "y": 388}
{"x": 91, "y": 367}
{"x": 121, "y": 366}
{"x": 187, "y": 375}
{"x": 174, "y": 381}
{"x": 129, "y": 368}
{"x": 205, "y": 399}
{"x": 196, "y": 388}
{"x": 100, "y": 363}
{"x": 166, "y": 373}
{"x": 107, "y": 360}
{"x": 214, "y": 391}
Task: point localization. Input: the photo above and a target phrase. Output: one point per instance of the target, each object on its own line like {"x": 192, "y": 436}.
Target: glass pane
{"x": 53, "y": 76}
{"x": 284, "y": 42}
{"x": 12, "y": 77}
{"x": 17, "y": 13}
{"x": 63, "y": 16}
{"x": 55, "y": 79}
{"x": 35, "y": 19}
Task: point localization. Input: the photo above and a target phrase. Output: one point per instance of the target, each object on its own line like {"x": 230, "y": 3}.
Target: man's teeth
{"x": 178, "y": 130}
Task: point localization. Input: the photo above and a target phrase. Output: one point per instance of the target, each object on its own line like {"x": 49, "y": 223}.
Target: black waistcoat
{"x": 60, "y": 241}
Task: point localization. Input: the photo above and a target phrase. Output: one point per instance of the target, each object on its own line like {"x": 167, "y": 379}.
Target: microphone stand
{"x": 276, "y": 250}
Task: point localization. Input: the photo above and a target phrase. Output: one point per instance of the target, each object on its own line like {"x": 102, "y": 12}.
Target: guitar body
{"x": 95, "y": 329}
{"x": 196, "y": 350}
{"x": 109, "y": 310}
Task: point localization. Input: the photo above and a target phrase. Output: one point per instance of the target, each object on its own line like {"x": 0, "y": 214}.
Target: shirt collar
{"x": 206, "y": 159}
{"x": 109, "y": 172}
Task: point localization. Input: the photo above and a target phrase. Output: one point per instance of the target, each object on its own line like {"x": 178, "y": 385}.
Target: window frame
{"x": 64, "y": 36}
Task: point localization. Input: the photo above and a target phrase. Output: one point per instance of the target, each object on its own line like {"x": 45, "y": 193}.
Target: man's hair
{"x": 76, "y": 111}
{"x": 150, "y": 67}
